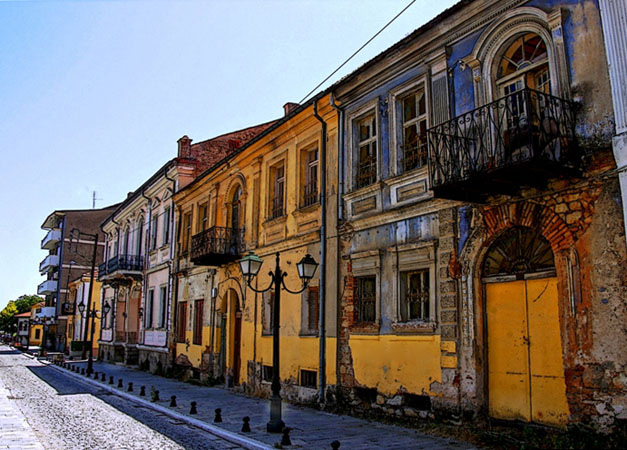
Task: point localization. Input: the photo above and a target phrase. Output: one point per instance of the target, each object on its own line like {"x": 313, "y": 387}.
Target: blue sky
{"x": 95, "y": 94}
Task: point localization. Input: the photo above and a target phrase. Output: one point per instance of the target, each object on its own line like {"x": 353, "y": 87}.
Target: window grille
{"x": 366, "y": 298}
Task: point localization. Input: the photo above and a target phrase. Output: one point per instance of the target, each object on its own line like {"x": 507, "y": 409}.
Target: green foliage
{"x": 8, "y": 321}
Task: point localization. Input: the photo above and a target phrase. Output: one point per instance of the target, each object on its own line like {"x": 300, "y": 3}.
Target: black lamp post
{"x": 250, "y": 266}
{"x": 86, "y": 315}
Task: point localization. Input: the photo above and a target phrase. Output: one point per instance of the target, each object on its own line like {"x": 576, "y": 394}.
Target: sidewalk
{"x": 311, "y": 429}
{"x": 15, "y": 432}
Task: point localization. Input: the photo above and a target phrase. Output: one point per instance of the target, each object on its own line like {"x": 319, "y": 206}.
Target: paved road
{"x": 41, "y": 407}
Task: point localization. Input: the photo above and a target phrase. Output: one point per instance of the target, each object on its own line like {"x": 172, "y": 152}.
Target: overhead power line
{"x": 358, "y": 50}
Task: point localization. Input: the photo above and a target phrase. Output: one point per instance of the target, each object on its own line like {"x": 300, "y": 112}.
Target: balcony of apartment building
{"x": 48, "y": 287}
{"x": 50, "y": 263}
{"x": 217, "y": 245}
{"x": 520, "y": 140}
{"x": 121, "y": 267}
{"x": 51, "y": 239}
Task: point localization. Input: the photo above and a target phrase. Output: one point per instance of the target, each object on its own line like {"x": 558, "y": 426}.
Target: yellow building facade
{"x": 36, "y": 335}
{"x": 263, "y": 198}
{"x": 75, "y": 332}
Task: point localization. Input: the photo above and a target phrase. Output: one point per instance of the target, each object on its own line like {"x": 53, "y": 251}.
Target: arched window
{"x": 523, "y": 63}
{"x": 139, "y": 234}
{"x": 236, "y": 208}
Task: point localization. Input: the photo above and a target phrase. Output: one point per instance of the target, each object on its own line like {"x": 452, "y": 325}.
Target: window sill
{"x": 365, "y": 328}
{"x": 275, "y": 220}
{"x": 307, "y": 209}
{"x": 312, "y": 334}
{"x": 266, "y": 334}
{"x": 414, "y": 327}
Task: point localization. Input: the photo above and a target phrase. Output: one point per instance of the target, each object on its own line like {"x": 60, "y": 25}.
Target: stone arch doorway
{"x": 524, "y": 344}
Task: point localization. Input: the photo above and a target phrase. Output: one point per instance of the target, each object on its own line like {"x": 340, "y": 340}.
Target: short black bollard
{"x": 83, "y": 371}
{"x": 246, "y": 425}
{"x": 173, "y": 401}
{"x": 218, "y": 417}
{"x": 103, "y": 377}
{"x": 110, "y": 379}
{"x": 130, "y": 386}
{"x": 142, "y": 391}
{"x": 120, "y": 383}
{"x": 335, "y": 445}
{"x": 95, "y": 375}
{"x": 154, "y": 395}
{"x": 285, "y": 440}
{"x": 193, "y": 409}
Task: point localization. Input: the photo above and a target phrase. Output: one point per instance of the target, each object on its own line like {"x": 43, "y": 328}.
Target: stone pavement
{"x": 311, "y": 429}
{"x": 15, "y": 432}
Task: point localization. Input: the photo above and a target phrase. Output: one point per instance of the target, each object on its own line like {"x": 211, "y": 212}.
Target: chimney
{"x": 185, "y": 147}
{"x": 289, "y": 107}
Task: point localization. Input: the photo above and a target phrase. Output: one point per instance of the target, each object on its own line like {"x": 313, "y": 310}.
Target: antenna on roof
{"x": 93, "y": 199}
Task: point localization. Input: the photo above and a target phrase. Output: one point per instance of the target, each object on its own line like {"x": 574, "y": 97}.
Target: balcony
{"x": 47, "y": 287}
{"x": 121, "y": 267}
{"x": 522, "y": 139}
{"x": 217, "y": 246}
{"x": 51, "y": 262}
{"x": 52, "y": 238}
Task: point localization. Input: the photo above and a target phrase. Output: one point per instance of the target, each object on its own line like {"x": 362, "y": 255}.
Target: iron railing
{"x": 218, "y": 241}
{"x": 277, "y": 209}
{"x": 310, "y": 194}
{"x": 524, "y": 126}
{"x": 130, "y": 263}
{"x": 366, "y": 172}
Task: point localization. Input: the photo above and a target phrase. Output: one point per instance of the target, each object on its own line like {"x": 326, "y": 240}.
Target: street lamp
{"x": 250, "y": 266}
{"x": 86, "y": 315}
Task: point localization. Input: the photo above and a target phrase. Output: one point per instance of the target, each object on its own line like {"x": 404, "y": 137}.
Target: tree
{"x": 8, "y": 321}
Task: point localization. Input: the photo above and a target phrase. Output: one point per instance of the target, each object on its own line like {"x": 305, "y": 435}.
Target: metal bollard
{"x": 130, "y": 386}
{"x": 285, "y": 440}
{"x": 193, "y": 409}
{"x": 111, "y": 379}
{"x": 218, "y": 417}
{"x": 95, "y": 375}
{"x": 154, "y": 396}
{"x": 83, "y": 371}
{"x": 173, "y": 401}
{"x": 335, "y": 445}
{"x": 120, "y": 383}
{"x": 142, "y": 391}
{"x": 103, "y": 377}
{"x": 246, "y": 425}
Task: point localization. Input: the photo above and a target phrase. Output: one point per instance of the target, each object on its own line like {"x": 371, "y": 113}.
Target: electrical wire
{"x": 358, "y": 50}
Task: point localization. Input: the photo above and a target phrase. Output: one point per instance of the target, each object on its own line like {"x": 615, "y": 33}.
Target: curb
{"x": 217, "y": 431}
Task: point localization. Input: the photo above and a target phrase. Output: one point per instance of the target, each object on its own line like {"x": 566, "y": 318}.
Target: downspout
{"x": 340, "y": 218}
{"x": 322, "y": 363}
{"x": 170, "y": 324}
{"x": 142, "y": 301}
{"x": 175, "y": 238}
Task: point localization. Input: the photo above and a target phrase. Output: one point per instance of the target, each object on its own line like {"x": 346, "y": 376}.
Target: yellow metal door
{"x": 548, "y": 387}
{"x": 508, "y": 354}
{"x": 526, "y": 376}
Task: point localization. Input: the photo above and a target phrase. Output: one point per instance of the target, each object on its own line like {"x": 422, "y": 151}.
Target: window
{"x": 366, "y": 151}
{"x": 153, "y": 232}
{"x": 149, "y": 308}
{"x": 140, "y": 236}
{"x": 236, "y": 208}
{"x": 127, "y": 246}
{"x": 187, "y": 232}
{"x": 310, "y": 169}
{"x": 166, "y": 226}
{"x": 277, "y": 174}
{"x": 267, "y": 313}
{"x": 37, "y": 333}
{"x": 267, "y": 373}
{"x": 365, "y": 299}
{"x": 308, "y": 378}
{"x": 162, "y": 306}
{"x": 181, "y": 322}
{"x": 203, "y": 217}
{"x": 198, "y": 311}
{"x": 310, "y": 311}
{"x": 414, "y": 117}
{"x": 415, "y": 298}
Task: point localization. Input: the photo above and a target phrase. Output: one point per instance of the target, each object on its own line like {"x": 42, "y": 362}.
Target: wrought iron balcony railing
{"x": 121, "y": 264}
{"x": 310, "y": 194}
{"x": 366, "y": 172}
{"x": 491, "y": 146}
{"x": 415, "y": 156}
{"x": 217, "y": 245}
{"x": 278, "y": 209}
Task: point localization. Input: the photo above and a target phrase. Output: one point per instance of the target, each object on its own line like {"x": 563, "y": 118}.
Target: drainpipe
{"x": 142, "y": 323}
{"x": 176, "y": 289}
{"x": 170, "y": 325}
{"x": 322, "y": 364}
{"x": 340, "y": 217}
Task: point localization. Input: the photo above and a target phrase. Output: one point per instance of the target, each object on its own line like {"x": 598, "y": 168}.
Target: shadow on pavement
{"x": 63, "y": 385}
{"x": 9, "y": 352}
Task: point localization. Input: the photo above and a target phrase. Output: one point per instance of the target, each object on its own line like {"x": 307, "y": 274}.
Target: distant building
{"x": 23, "y": 329}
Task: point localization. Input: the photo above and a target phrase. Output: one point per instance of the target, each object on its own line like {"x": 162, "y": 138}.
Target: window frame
{"x": 306, "y": 318}
{"x": 181, "y": 325}
{"x": 372, "y": 139}
{"x": 274, "y": 181}
{"x": 199, "y": 306}
{"x": 366, "y": 264}
{"x": 309, "y": 187}
{"x": 166, "y": 226}
{"x": 154, "y": 227}
{"x": 149, "y": 308}
{"x": 163, "y": 300}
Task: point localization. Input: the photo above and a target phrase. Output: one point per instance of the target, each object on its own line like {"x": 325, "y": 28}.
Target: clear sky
{"x": 95, "y": 94}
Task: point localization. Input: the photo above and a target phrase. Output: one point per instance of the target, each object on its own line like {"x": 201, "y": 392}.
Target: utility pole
{"x": 93, "y": 199}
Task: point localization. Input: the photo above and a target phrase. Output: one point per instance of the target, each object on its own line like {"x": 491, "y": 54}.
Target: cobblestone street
{"x": 43, "y": 408}
{"x": 67, "y": 410}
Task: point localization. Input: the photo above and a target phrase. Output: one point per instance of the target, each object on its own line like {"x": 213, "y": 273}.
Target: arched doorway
{"x": 234, "y": 335}
{"x": 524, "y": 345}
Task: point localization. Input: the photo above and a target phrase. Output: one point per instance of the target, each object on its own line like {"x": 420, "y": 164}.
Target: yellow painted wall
{"x": 388, "y": 362}
{"x": 33, "y": 341}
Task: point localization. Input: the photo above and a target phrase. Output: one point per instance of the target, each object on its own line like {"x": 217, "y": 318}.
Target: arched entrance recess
{"x": 524, "y": 345}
